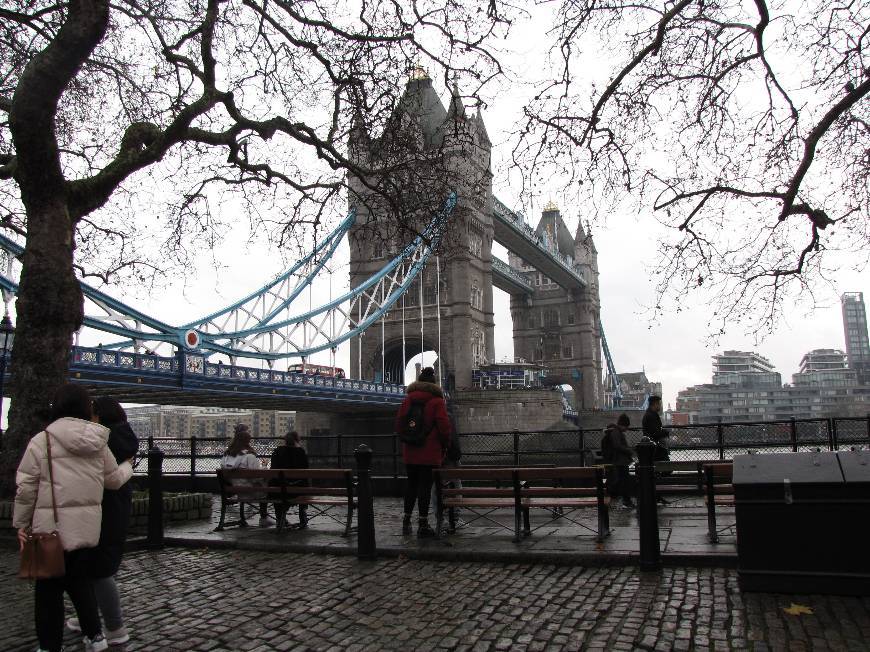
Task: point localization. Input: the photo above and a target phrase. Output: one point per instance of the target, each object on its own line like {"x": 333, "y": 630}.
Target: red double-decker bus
{"x": 316, "y": 370}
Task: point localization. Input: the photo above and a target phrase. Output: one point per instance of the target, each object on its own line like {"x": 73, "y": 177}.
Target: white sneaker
{"x": 96, "y": 644}
{"x": 266, "y": 521}
{"x": 117, "y": 636}
{"x": 72, "y": 624}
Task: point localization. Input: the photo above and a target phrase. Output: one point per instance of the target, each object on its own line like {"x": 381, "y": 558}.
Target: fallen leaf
{"x": 797, "y": 610}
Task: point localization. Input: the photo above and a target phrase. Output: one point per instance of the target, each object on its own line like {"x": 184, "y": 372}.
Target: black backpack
{"x": 607, "y": 447}
{"x": 413, "y": 429}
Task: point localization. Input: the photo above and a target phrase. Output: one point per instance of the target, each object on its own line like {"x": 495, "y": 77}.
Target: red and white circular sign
{"x": 191, "y": 339}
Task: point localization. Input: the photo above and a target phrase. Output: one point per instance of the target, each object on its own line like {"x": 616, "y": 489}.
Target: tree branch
{"x": 846, "y": 102}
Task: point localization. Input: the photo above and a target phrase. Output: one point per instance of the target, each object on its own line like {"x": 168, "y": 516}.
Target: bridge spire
{"x": 456, "y": 110}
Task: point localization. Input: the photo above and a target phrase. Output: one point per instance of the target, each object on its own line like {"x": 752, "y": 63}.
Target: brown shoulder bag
{"x": 42, "y": 554}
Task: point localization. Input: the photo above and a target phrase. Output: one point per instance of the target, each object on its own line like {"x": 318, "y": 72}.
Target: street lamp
{"x": 7, "y": 335}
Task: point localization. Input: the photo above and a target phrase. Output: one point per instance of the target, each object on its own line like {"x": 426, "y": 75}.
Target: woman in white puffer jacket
{"x": 82, "y": 465}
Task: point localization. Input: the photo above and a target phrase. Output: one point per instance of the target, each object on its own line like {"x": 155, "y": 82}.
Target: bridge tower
{"x": 446, "y": 149}
{"x": 560, "y": 328}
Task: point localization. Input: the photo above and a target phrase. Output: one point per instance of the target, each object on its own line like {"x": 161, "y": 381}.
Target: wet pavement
{"x": 683, "y": 535}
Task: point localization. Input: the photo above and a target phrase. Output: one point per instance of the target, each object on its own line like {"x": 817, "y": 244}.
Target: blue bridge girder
{"x": 512, "y": 232}
{"x": 188, "y": 379}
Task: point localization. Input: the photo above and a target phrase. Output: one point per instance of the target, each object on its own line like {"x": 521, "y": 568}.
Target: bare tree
{"x": 743, "y": 125}
{"x": 102, "y": 100}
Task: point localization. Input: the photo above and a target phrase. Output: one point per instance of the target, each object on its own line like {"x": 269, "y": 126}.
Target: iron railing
{"x": 195, "y": 456}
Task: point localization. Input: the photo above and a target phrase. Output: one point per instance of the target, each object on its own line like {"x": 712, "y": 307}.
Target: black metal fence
{"x": 197, "y": 456}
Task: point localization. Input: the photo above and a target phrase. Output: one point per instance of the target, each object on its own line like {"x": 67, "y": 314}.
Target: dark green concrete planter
{"x": 176, "y": 507}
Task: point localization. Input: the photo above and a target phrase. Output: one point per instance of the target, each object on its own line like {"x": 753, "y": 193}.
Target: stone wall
{"x": 507, "y": 410}
{"x": 599, "y": 419}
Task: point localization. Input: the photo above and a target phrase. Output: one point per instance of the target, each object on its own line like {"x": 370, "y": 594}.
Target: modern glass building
{"x": 855, "y": 332}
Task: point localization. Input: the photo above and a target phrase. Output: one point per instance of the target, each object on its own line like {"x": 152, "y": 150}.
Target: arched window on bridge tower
{"x": 553, "y": 348}
{"x": 551, "y": 318}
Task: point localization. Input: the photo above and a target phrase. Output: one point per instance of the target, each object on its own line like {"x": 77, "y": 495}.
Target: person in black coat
{"x": 652, "y": 428}
{"x": 291, "y": 455}
{"x": 619, "y": 457}
{"x": 105, "y": 559}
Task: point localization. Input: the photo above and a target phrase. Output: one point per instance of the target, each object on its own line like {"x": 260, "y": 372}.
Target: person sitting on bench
{"x": 291, "y": 455}
{"x": 240, "y": 455}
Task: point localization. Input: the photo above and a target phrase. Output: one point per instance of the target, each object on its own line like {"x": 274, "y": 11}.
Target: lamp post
{"x": 7, "y": 335}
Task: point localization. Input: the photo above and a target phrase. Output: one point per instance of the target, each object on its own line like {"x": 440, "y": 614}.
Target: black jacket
{"x": 106, "y": 557}
{"x": 622, "y": 454}
{"x": 289, "y": 457}
{"x": 652, "y": 425}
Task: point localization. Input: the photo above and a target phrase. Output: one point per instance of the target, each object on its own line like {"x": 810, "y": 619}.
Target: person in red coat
{"x": 420, "y": 460}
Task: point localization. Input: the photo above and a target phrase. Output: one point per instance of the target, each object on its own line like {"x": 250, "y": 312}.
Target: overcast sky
{"x": 674, "y": 350}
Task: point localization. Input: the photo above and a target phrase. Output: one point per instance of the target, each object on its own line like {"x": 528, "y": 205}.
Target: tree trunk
{"x": 49, "y": 303}
{"x": 49, "y": 310}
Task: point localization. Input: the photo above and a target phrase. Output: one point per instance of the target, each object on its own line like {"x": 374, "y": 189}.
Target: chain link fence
{"x": 576, "y": 447}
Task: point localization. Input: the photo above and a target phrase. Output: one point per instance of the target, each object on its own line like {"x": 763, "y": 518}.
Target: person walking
{"x": 452, "y": 459}
{"x": 424, "y": 427}
{"x": 618, "y": 455}
{"x": 291, "y": 455}
{"x": 60, "y": 483}
{"x": 105, "y": 559}
{"x": 652, "y": 428}
{"x": 240, "y": 455}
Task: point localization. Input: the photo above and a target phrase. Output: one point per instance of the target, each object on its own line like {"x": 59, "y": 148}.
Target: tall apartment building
{"x": 730, "y": 363}
{"x": 820, "y": 389}
{"x": 822, "y": 360}
{"x": 182, "y": 422}
{"x": 855, "y": 332}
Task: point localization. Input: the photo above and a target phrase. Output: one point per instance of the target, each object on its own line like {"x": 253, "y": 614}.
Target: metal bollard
{"x": 155, "y": 498}
{"x": 650, "y": 550}
{"x": 365, "y": 518}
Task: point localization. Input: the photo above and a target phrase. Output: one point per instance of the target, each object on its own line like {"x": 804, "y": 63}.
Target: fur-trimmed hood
{"x": 422, "y": 386}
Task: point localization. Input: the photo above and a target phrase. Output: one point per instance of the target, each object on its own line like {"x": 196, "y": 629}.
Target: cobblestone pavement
{"x": 241, "y": 600}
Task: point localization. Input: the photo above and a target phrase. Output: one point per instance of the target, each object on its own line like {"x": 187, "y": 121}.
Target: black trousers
{"x": 48, "y": 602}
{"x": 620, "y": 484}
{"x": 418, "y": 489}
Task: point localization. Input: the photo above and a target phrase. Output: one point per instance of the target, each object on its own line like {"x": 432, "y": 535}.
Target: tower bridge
{"x": 423, "y": 297}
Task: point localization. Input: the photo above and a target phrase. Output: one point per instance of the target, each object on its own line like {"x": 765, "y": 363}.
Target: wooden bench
{"x": 320, "y": 489}
{"x": 519, "y": 489}
{"x": 719, "y": 490}
{"x": 681, "y": 477}
{"x": 571, "y": 488}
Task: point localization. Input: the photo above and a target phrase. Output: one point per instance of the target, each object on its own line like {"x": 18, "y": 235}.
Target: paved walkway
{"x": 218, "y": 600}
{"x": 683, "y": 536}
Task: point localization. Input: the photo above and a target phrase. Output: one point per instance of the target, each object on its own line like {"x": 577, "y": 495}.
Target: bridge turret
{"x": 358, "y": 141}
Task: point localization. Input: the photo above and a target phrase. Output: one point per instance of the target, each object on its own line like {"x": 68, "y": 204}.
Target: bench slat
{"x": 460, "y": 473}
{"x": 559, "y": 473}
{"x": 558, "y": 491}
{"x": 290, "y": 474}
{"x": 478, "y": 502}
{"x": 478, "y": 491}
{"x": 562, "y": 502}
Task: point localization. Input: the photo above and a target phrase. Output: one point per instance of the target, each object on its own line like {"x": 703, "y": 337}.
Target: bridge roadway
{"x": 511, "y": 231}
{"x": 187, "y": 379}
